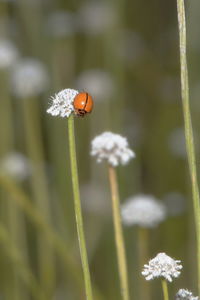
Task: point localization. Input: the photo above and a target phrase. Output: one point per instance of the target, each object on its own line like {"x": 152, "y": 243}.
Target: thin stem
{"x": 119, "y": 239}
{"x": 77, "y": 206}
{"x": 143, "y": 256}
{"x": 165, "y": 289}
{"x": 188, "y": 127}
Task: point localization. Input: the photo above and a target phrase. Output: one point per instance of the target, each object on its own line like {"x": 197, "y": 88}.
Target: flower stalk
{"x": 119, "y": 240}
{"x": 165, "y": 289}
{"x": 188, "y": 126}
{"x": 77, "y": 205}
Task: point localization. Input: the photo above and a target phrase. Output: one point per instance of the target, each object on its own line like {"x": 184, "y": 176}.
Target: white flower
{"x": 111, "y": 147}
{"x": 98, "y": 82}
{"x": 62, "y": 103}
{"x": 29, "y": 78}
{"x": 95, "y": 17}
{"x": 8, "y": 54}
{"x": 143, "y": 210}
{"x": 15, "y": 165}
{"x": 95, "y": 199}
{"x": 162, "y": 266}
{"x": 61, "y": 24}
{"x": 185, "y": 295}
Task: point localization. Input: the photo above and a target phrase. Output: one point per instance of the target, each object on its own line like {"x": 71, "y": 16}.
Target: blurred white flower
{"x": 15, "y": 165}
{"x": 175, "y": 203}
{"x": 98, "y": 82}
{"x": 113, "y": 148}
{"x": 143, "y": 210}
{"x": 95, "y": 17}
{"x": 62, "y": 103}
{"x": 61, "y": 24}
{"x": 8, "y": 54}
{"x": 176, "y": 142}
{"x": 185, "y": 295}
{"x": 95, "y": 199}
{"x": 162, "y": 266}
{"x": 29, "y": 78}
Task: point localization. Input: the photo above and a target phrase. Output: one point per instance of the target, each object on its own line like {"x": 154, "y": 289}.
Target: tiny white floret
{"x": 62, "y": 103}
{"x": 143, "y": 210}
{"x": 113, "y": 148}
{"x": 185, "y": 295}
{"x": 162, "y": 266}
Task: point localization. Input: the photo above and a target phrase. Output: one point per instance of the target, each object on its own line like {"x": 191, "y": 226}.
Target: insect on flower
{"x": 83, "y": 104}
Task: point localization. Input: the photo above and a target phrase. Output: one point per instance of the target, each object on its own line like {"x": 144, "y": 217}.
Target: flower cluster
{"x": 143, "y": 210}
{"x": 162, "y": 266}
{"x": 62, "y": 103}
{"x": 113, "y": 148}
{"x": 185, "y": 295}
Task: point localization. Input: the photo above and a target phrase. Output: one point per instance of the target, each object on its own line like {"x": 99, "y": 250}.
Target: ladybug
{"x": 83, "y": 104}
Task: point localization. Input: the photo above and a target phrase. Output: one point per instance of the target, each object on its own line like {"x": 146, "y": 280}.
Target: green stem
{"x": 165, "y": 289}
{"x": 77, "y": 206}
{"x": 188, "y": 127}
{"x": 119, "y": 239}
{"x": 143, "y": 236}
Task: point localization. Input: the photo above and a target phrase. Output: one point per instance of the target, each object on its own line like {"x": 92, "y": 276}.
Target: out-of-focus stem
{"x": 143, "y": 257}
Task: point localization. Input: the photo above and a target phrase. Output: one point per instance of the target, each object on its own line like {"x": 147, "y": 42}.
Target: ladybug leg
{"x": 81, "y": 112}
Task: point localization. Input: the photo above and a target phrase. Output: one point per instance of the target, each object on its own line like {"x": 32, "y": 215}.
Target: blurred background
{"x": 126, "y": 55}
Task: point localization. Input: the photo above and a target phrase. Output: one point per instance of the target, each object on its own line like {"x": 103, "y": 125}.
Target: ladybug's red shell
{"x": 83, "y": 104}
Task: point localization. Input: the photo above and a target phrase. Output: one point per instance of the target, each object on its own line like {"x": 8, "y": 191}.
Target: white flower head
{"x": 111, "y": 147}
{"x": 29, "y": 78}
{"x": 143, "y": 210}
{"x": 62, "y": 103}
{"x": 15, "y": 165}
{"x": 98, "y": 82}
{"x": 185, "y": 295}
{"x": 162, "y": 266}
{"x": 8, "y": 54}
